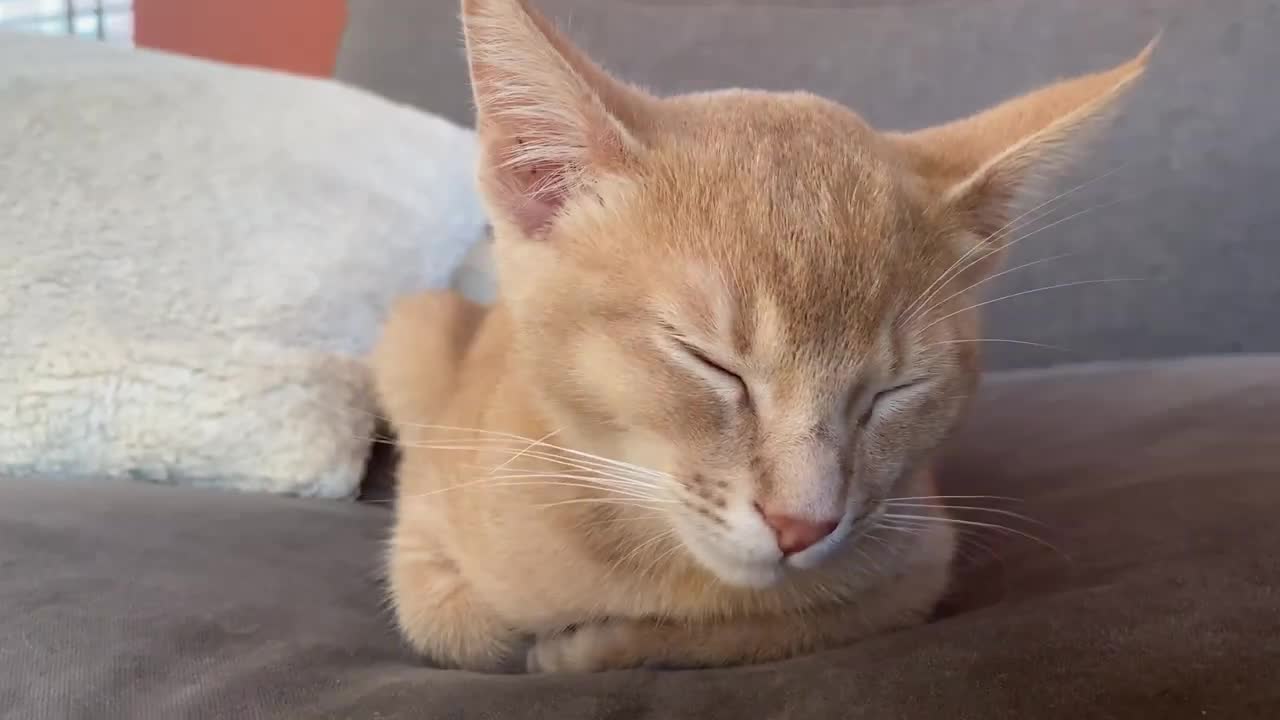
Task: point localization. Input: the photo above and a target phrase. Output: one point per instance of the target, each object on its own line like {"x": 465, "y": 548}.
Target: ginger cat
{"x": 696, "y": 427}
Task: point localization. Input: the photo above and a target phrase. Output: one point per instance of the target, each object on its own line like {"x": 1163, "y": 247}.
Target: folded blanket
{"x": 194, "y": 258}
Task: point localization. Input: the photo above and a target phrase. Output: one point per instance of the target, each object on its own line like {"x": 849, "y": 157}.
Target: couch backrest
{"x": 1193, "y": 212}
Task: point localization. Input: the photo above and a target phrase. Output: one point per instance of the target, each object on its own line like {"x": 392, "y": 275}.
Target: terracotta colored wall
{"x": 296, "y": 35}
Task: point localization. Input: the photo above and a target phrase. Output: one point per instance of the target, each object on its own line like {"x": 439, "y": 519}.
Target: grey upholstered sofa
{"x": 1150, "y": 448}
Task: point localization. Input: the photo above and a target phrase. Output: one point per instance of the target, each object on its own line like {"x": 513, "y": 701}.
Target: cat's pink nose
{"x": 796, "y": 534}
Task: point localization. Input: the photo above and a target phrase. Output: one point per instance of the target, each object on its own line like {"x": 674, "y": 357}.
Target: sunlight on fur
{"x": 733, "y": 328}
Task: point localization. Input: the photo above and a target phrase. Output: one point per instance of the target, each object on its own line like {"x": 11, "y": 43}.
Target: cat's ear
{"x": 550, "y": 121}
{"x": 982, "y": 168}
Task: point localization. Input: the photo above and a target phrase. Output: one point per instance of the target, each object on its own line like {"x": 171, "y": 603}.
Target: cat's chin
{"x": 748, "y": 576}
{"x": 732, "y": 569}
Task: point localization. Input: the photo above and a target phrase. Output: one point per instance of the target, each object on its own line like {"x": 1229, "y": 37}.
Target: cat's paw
{"x": 439, "y": 614}
{"x": 589, "y": 648}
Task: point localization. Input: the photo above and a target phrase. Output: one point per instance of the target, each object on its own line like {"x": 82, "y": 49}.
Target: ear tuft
{"x": 543, "y": 113}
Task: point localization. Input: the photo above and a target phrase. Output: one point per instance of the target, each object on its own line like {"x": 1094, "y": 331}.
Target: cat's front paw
{"x": 589, "y": 648}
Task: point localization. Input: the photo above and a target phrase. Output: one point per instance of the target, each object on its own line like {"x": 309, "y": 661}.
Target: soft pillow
{"x": 194, "y": 258}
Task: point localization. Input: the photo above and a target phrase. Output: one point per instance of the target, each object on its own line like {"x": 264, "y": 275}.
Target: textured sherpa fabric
{"x": 195, "y": 257}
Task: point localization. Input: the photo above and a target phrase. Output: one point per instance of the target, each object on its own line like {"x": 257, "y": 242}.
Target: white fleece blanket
{"x": 194, "y": 258}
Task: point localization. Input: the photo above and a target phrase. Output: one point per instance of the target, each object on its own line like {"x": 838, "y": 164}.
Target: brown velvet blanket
{"x": 1159, "y": 485}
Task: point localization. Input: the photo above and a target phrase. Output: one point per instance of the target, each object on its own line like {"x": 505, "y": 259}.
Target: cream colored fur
{"x": 709, "y": 305}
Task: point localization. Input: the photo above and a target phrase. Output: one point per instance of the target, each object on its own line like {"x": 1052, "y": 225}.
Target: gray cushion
{"x": 1158, "y": 484}
{"x": 1194, "y": 217}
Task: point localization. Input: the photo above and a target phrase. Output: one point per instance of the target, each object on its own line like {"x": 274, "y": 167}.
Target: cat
{"x": 696, "y": 427}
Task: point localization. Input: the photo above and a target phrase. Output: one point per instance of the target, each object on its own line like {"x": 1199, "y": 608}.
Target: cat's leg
{"x": 907, "y": 601}
{"x": 438, "y": 612}
{"x": 631, "y": 643}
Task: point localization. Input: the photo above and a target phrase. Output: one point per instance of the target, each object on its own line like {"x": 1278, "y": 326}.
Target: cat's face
{"x": 755, "y": 295}
{"x": 746, "y": 336}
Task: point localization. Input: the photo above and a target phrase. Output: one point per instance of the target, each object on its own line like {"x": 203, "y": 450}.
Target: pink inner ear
{"x": 534, "y": 214}
{"x": 532, "y": 192}
{"x": 551, "y": 122}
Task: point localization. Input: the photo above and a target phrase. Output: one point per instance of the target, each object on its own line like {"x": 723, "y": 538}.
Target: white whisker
{"x": 619, "y": 520}
{"x": 964, "y": 537}
{"x": 658, "y": 560}
{"x": 517, "y": 456}
{"x": 582, "y": 470}
{"x": 964, "y": 341}
{"x": 638, "y": 549}
{"x": 519, "y": 438}
{"x": 909, "y": 530}
{"x": 491, "y": 483}
{"x": 984, "y": 281}
{"x": 925, "y": 519}
{"x": 584, "y": 483}
{"x": 946, "y": 275}
{"x": 1027, "y": 292}
{"x": 585, "y": 475}
{"x": 500, "y": 445}
{"x": 1008, "y": 245}
{"x": 577, "y": 486}
{"x": 972, "y": 508}
{"x": 577, "y": 464}
{"x": 606, "y": 501}
{"x": 1003, "y": 498}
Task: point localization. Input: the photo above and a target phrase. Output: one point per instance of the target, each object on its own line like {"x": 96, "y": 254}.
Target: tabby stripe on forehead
{"x": 743, "y": 330}
{"x": 768, "y": 325}
{"x": 897, "y": 349}
{"x": 726, "y": 311}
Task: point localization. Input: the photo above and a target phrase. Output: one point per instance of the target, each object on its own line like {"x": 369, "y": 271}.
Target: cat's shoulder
{"x": 442, "y": 317}
{"x": 417, "y": 359}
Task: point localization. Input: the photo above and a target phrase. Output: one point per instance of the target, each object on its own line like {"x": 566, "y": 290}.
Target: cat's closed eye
{"x": 883, "y": 396}
{"x": 718, "y": 368}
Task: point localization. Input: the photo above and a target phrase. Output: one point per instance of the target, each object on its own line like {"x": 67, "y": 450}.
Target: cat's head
{"x": 756, "y": 294}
